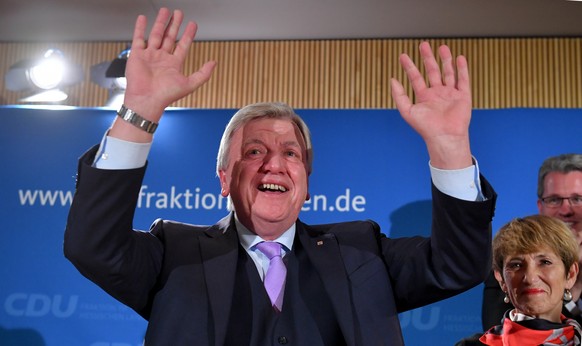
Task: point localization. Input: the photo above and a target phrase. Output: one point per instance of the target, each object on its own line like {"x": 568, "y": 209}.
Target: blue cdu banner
{"x": 369, "y": 164}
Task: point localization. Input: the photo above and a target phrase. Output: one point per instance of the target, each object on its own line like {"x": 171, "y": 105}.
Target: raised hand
{"x": 442, "y": 112}
{"x": 154, "y": 70}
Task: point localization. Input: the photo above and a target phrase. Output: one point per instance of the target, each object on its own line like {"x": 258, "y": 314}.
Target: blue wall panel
{"x": 368, "y": 165}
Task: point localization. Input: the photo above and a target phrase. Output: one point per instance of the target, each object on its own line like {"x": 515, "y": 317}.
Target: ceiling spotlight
{"x": 44, "y": 77}
{"x": 111, "y": 76}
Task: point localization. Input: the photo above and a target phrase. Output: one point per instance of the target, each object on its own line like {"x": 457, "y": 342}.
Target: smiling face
{"x": 535, "y": 283}
{"x": 564, "y": 185}
{"x": 266, "y": 176}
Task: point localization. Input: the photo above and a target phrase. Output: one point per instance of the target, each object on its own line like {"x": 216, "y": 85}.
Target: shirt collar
{"x": 249, "y": 239}
{"x": 518, "y": 316}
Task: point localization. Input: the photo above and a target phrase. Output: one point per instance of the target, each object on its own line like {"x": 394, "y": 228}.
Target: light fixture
{"x": 111, "y": 76}
{"x": 44, "y": 77}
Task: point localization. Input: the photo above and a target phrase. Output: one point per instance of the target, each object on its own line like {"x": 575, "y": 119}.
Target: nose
{"x": 273, "y": 163}
{"x": 565, "y": 208}
{"x": 530, "y": 274}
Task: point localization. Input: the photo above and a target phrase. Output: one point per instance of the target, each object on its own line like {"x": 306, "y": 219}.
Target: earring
{"x": 506, "y": 298}
{"x": 567, "y": 295}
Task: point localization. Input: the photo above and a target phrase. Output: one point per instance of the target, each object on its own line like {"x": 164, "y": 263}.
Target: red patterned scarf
{"x": 533, "y": 333}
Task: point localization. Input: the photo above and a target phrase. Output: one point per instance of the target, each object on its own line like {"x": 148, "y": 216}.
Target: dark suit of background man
{"x": 345, "y": 282}
{"x": 559, "y": 195}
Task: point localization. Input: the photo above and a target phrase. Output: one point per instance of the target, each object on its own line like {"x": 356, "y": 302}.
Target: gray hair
{"x": 274, "y": 110}
{"x": 564, "y": 163}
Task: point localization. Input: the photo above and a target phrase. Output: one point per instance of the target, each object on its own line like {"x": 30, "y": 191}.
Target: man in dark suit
{"x": 344, "y": 283}
{"x": 559, "y": 195}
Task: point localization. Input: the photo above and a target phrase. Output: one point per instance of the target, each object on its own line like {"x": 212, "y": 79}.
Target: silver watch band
{"x": 136, "y": 120}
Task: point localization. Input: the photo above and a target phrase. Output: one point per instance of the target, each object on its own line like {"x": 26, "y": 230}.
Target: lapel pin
{"x": 320, "y": 242}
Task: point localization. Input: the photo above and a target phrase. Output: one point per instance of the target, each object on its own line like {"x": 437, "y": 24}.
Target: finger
{"x": 400, "y": 98}
{"x": 430, "y": 64}
{"x": 138, "y": 40}
{"x": 186, "y": 40}
{"x": 169, "y": 40}
{"x": 159, "y": 28}
{"x": 416, "y": 80}
{"x": 463, "y": 79}
{"x": 448, "y": 68}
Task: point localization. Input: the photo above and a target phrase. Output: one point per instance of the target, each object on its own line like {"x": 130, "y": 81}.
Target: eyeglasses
{"x": 556, "y": 201}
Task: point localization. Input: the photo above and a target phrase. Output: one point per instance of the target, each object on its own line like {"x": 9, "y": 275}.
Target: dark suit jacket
{"x": 180, "y": 277}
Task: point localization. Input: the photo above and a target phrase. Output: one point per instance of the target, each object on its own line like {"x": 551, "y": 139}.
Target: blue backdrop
{"x": 368, "y": 164}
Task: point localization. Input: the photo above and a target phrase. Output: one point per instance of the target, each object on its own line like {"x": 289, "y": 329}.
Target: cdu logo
{"x": 425, "y": 318}
{"x": 39, "y": 305}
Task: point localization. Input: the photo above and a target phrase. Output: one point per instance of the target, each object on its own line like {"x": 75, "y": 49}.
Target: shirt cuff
{"x": 116, "y": 153}
{"x": 459, "y": 183}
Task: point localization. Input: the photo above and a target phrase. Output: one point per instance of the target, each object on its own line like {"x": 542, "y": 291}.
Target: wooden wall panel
{"x": 505, "y": 73}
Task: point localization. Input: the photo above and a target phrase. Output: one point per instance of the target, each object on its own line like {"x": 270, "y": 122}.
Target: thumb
{"x": 198, "y": 78}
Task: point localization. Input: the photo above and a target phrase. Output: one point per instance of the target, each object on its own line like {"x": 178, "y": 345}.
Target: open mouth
{"x": 272, "y": 188}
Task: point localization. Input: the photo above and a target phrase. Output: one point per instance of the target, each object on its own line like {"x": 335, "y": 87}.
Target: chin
{"x": 271, "y": 217}
{"x": 535, "y": 310}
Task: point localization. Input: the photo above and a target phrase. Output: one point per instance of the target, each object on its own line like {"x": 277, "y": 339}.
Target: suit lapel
{"x": 220, "y": 254}
{"x": 323, "y": 251}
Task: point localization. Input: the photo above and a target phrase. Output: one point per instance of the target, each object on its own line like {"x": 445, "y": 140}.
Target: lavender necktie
{"x": 275, "y": 277}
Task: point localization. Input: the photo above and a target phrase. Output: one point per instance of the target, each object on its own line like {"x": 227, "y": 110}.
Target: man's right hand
{"x": 154, "y": 71}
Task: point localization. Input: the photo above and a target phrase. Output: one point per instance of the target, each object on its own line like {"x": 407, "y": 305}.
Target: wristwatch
{"x": 136, "y": 120}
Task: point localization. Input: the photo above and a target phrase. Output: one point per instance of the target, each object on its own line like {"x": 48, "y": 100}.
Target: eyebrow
{"x": 537, "y": 256}
{"x": 253, "y": 141}
{"x": 291, "y": 144}
{"x": 285, "y": 144}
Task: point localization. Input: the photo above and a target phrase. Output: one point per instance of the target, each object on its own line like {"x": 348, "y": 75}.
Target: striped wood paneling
{"x": 505, "y": 73}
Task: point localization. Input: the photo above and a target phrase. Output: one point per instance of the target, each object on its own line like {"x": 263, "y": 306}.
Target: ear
{"x": 572, "y": 275}
{"x": 224, "y": 187}
{"x": 499, "y": 279}
{"x": 539, "y": 205}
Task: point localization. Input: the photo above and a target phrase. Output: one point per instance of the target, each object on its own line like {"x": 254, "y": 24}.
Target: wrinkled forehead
{"x": 533, "y": 251}
{"x": 569, "y": 182}
{"x": 284, "y": 131}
